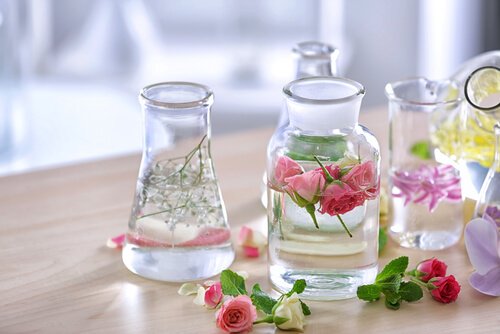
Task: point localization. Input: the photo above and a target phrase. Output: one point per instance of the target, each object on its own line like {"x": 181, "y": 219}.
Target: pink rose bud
{"x": 213, "y": 295}
{"x": 308, "y": 185}
{"x": 447, "y": 289}
{"x": 236, "y": 315}
{"x": 286, "y": 167}
{"x": 432, "y": 268}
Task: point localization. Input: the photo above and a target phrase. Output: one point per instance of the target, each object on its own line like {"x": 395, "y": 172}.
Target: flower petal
{"x": 187, "y": 289}
{"x": 116, "y": 242}
{"x": 481, "y": 242}
{"x": 200, "y": 296}
{"x": 488, "y": 284}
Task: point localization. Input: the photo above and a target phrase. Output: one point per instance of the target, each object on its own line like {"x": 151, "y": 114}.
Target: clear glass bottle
{"x": 323, "y": 184}
{"x": 312, "y": 58}
{"x": 489, "y": 197}
{"x": 425, "y": 207}
{"x": 178, "y": 229}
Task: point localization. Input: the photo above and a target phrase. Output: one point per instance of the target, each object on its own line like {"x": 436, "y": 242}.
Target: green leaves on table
{"x": 232, "y": 284}
{"x": 389, "y": 282}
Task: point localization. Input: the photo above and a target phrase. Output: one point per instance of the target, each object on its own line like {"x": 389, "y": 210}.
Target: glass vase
{"x": 323, "y": 191}
{"x": 477, "y": 137}
{"x": 425, "y": 207}
{"x": 178, "y": 229}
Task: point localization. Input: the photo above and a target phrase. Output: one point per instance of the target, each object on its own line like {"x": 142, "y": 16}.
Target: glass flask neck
{"x": 323, "y": 104}
{"x": 315, "y": 59}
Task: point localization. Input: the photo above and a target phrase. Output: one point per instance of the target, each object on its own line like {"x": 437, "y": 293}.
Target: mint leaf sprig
{"x": 389, "y": 282}
{"x": 233, "y": 284}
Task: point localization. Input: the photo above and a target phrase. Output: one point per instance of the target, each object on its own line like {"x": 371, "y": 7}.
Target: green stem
{"x": 418, "y": 282}
{"x": 328, "y": 176}
{"x": 267, "y": 320}
{"x": 311, "y": 210}
{"x": 344, "y": 226}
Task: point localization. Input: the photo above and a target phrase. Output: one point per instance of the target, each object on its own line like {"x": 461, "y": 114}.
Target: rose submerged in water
{"x": 285, "y": 168}
{"x": 339, "y": 199}
{"x": 308, "y": 186}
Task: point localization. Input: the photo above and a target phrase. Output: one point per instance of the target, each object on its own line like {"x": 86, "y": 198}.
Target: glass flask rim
{"x": 205, "y": 100}
{"x": 287, "y": 90}
{"x": 466, "y": 93}
{"x": 391, "y": 95}
{"x": 326, "y": 51}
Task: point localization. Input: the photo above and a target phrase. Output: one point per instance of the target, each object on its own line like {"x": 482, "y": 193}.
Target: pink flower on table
{"x": 307, "y": 185}
{"x": 286, "y": 167}
{"x": 446, "y": 289}
{"x": 361, "y": 177}
{"x": 339, "y": 199}
{"x": 236, "y": 315}
{"x": 432, "y": 268}
{"x": 213, "y": 295}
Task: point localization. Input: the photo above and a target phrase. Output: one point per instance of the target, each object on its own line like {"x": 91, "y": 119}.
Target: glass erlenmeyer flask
{"x": 489, "y": 196}
{"x": 178, "y": 229}
{"x": 312, "y": 59}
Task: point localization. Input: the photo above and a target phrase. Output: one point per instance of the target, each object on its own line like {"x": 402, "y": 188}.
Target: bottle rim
{"x": 315, "y": 49}
{"x": 466, "y": 91}
{"x": 357, "y": 89}
{"x": 202, "y": 95}
{"x": 391, "y": 87}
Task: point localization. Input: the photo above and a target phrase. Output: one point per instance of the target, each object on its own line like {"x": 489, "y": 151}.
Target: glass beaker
{"x": 323, "y": 192}
{"x": 178, "y": 229}
{"x": 425, "y": 208}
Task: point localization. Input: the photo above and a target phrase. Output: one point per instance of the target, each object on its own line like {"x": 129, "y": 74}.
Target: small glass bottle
{"x": 489, "y": 197}
{"x": 323, "y": 191}
{"x": 425, "y": 207}
{"x": 312, "y": 58}
{"x": 178, "y": 229}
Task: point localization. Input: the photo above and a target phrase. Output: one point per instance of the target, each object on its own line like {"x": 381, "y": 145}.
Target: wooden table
{"x": 58, "y": 276}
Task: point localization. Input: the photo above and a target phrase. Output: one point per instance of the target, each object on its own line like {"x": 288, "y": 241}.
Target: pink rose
{"x": 339, "y": 199}
{"x": 286, "y": 167}
{"x": 308, "y": 186}
{"x": 432, "y": 268}
{"x": 447, "y": 289}
{"x": 236, "y": 315}
{"x": 362, "y": 178}
{"x": 213, "y": 295}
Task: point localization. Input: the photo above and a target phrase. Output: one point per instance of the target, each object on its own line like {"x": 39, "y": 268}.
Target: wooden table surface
{"x": 58, "y": 276}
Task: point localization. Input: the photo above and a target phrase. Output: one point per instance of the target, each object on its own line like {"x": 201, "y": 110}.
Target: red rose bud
{"x": 432, "y": 268}
{"x": 446, "y": 289}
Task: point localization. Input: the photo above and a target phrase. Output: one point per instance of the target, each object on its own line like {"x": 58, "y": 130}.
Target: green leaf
{"x": 382, "y": 239}
{"x": 410, "y": 291}
{"x": 298, "y": 286}
{"x": 392, "y": 306}
{"x": 422, "y": 150}
{"x": 390, "y": 284}
{"x": 232, "y": 284}
{"x": 392, "y": 297}
{"x": 396, "y": 266}
{"x": 280, "y": 320}
{"x": 369, "y": 293}
{"x": 302, "y": 147}
{"x": 262, "y": 300}
{"x": 305, "y": 308}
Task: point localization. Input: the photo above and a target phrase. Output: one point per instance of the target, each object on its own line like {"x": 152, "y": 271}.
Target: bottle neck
{"x": 307, "y": 67}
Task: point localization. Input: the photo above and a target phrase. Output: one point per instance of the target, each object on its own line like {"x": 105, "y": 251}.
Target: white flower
{"x": 291, "y": 309}
{"x": 200, "y": 297}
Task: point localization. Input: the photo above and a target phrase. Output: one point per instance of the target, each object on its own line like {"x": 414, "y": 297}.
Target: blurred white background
{"x": 70, "y": 70}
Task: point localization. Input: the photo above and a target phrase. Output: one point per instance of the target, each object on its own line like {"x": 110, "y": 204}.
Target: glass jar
{"x": 425, "y": 207}
{"x": 178, "y": 229}
{"x": 323, "y": 191}
{"x": 489, "y": 196}
{"x": 312, "y": 58}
